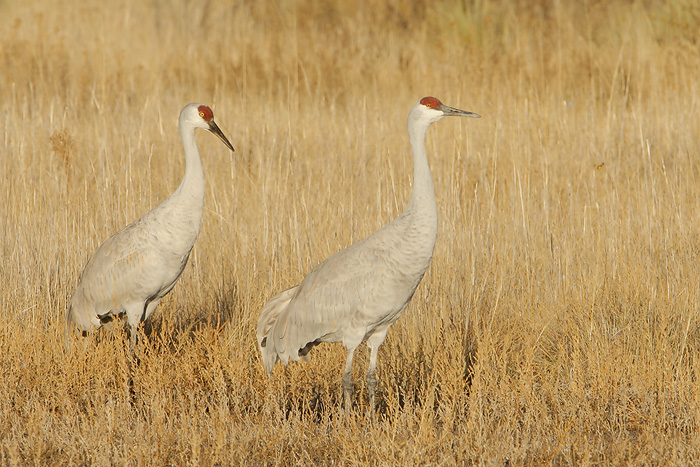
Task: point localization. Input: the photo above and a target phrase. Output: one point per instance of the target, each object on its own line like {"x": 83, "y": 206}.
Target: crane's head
{"x": 201, "y": 116}
{"x": 429, "y": 110}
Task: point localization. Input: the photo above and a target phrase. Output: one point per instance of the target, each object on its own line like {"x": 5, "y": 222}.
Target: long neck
{"x": 423, "y": 195}
{"x": 190, "y": 193}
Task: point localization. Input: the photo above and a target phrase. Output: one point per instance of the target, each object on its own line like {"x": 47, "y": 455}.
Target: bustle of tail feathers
{"x": 77, "y": 313}
{"x": 73, "y": 320}
{"x": 268, "y": 317}
{"x": 79, "y": 316}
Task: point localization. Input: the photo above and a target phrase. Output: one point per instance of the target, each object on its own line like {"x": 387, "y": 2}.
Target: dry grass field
{"x": 558, "y": 324}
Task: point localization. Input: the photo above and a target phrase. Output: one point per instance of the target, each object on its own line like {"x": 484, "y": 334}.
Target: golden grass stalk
{"x": 557, "y": 324}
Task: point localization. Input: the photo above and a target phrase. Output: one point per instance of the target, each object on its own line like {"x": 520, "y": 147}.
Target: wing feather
{"x": 130, "y": 267}
{"x": 332, "y": 303}
{"x": 347, "y": 297}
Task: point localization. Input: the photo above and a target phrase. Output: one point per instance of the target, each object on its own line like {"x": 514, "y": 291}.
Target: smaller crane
{"x": 136, "y": 267}
{"x": 357, "y": 293}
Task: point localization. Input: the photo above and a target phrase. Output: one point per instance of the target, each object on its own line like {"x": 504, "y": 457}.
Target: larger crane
{"x": 136, "y": 267}
{"x": 358, "y": 293}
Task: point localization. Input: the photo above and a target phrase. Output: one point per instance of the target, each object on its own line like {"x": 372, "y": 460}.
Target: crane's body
{"x": 358, "y": 293}
{"x": 130, "y": 272}
{"x": 316, "y": 310}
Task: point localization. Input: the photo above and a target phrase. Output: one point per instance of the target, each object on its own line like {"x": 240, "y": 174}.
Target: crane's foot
{"x": 348, "y": 389}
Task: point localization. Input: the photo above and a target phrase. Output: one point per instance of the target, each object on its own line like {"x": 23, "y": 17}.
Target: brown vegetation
{"x": 557, "y": 325}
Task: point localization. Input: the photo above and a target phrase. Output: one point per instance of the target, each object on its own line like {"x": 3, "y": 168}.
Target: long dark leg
{"x": 372, "y": 381}
{"x": 348, "y": 387}
{"x": 373, "y": 342}
{"x": 134, "y": 361}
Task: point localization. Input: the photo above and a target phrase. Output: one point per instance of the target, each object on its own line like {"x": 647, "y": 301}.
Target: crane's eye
{"x": 201, "y": 114}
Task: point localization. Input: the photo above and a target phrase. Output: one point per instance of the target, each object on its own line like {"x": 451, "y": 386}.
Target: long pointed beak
{"x": 451, "y": 111}
{"x": 214, "y": 128}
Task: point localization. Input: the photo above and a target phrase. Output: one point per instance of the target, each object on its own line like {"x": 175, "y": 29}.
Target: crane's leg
{"x": 134, "y": 313}
{"x": 374, "y": 341}
{"x": 347, "y": 382}
{"x": 372, "y": 380}
{"x": 134, "y": 334}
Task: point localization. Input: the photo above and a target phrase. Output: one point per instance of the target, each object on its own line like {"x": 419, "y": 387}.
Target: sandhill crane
{"x": 357, "y": 293}
{"x": 136, "y": 267}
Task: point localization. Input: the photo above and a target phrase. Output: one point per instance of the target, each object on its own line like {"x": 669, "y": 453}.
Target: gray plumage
{"x": 139, "y": 265}
{"x": 358, "y": 293}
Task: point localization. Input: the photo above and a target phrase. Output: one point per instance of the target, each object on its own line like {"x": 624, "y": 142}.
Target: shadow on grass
{"x": 170, "y": 329}
{"x": 408, "y": 382}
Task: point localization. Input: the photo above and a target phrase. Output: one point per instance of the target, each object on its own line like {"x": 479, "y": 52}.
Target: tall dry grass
{"x": 558, "y": 322}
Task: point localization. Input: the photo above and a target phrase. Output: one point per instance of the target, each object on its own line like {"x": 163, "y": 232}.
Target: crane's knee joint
{"x": 372, "y": 378}
{"x": 347, "y": 381}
